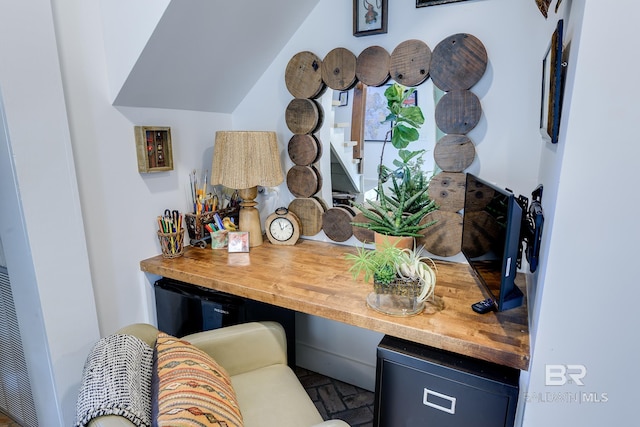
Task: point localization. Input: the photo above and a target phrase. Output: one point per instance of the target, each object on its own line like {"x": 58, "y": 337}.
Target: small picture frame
{"x": 412, "y": 100}
{"x": 343, "y": 98}
{"x": 153, "y": 148}
{"x": 238, "y": 241}
{"x": 424, "y": 3}
{"x": 551, "y": 97}
{"x": 369, "y": 17}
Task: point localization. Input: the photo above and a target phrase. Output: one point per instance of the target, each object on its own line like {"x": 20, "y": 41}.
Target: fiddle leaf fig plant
{"x": 405, "y": 119}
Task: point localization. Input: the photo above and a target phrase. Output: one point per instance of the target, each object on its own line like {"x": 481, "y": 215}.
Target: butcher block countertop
{"x": 312, "y": 277}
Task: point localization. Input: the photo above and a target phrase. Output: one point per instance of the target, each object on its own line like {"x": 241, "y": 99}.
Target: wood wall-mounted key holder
{"x": 153, "y": 147}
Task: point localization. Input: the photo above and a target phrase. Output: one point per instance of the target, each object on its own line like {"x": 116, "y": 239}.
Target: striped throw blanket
{"x": 116, "y": 380}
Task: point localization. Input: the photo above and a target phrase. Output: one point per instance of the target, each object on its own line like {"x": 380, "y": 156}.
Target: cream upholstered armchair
{"x": 251, "y": 385}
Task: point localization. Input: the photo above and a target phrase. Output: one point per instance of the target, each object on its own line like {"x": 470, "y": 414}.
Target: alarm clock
{"x": 282, "y": 227}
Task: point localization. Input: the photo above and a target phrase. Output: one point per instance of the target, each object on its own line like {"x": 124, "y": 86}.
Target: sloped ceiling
{"x": 205, "y": 55}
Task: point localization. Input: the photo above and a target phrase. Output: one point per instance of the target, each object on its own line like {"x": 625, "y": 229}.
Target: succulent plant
{"x": 387, "y": 263}
{"x": 401, "y": 212}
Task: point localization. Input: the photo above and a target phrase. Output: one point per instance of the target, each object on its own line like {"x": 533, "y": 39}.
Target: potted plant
{"x": 416, "y": 180}
{"x": 403, "y": 279}
{"x": 399, "y": 210}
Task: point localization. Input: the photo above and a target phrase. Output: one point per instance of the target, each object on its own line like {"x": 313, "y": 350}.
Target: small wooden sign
{"x": 153, "y": 147}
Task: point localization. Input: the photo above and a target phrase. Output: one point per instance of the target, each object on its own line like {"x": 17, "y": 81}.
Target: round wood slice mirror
{"x": 456, "y": 64}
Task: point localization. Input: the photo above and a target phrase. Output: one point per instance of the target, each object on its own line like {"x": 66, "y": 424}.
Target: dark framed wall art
{"x": 551, "y": 97}
{"x": 369, "y": 17}
{"x": 424, "y": 3}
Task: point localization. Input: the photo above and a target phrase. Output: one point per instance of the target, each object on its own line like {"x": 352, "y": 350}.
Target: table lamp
{"x": 242, "y": 160}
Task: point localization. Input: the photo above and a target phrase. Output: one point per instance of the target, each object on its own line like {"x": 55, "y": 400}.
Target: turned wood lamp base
{"x": 249, "y": 217}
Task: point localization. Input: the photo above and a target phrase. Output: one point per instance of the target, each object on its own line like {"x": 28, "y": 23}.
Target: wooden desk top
{"x": 312, "y": 277}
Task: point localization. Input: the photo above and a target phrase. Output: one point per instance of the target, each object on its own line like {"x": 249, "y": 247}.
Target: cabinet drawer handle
{"x": 449, "y": 410}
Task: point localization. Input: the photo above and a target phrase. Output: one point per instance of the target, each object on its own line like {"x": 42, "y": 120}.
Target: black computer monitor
{"x": 491, "y": 240}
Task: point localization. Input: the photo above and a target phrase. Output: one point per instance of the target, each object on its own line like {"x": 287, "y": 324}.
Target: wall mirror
{"x": 330, "y": 107}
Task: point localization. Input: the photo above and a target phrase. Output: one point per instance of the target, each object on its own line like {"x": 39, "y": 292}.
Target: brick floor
{"x": 338, "y": 400}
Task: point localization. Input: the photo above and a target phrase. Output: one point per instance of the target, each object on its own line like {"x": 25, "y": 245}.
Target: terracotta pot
{"x": 402, "y": 242}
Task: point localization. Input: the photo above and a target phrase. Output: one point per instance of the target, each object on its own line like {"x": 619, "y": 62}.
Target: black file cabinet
{"x": 421, "y": 386}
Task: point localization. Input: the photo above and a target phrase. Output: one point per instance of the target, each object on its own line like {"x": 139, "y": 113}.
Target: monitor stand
{"x": 513, "y": 299}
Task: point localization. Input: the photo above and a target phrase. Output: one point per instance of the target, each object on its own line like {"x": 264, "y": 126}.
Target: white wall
{"x": 119, "y": 204}
{"x": 41, "y": 223}
{"x": 589, "y": 301}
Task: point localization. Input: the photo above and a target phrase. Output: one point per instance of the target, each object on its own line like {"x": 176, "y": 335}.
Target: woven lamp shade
{"x": 245, "y": 159}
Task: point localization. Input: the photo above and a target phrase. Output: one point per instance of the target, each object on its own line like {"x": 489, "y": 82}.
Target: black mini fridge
{"x": 183, "y": 308}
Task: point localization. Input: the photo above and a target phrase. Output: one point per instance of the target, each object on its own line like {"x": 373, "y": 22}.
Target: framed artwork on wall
{"x": 369, "y": 17}
{"x": 424, "y": 3}
{"x": 154, "y": 150}
{"x": 551, "y": 97}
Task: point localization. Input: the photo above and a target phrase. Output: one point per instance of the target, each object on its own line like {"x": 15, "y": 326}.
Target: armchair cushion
{"x": 244, "y": 347}
{"x": 189, "y": 388}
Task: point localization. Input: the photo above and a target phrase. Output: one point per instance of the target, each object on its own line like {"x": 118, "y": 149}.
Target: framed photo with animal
{"x": 369, "y": 17}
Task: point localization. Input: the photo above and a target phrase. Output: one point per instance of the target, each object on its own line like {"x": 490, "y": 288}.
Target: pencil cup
{"x": 219, "y": 239}
{"x": 195, "y": 224}
{"x": 171, "y": 243}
